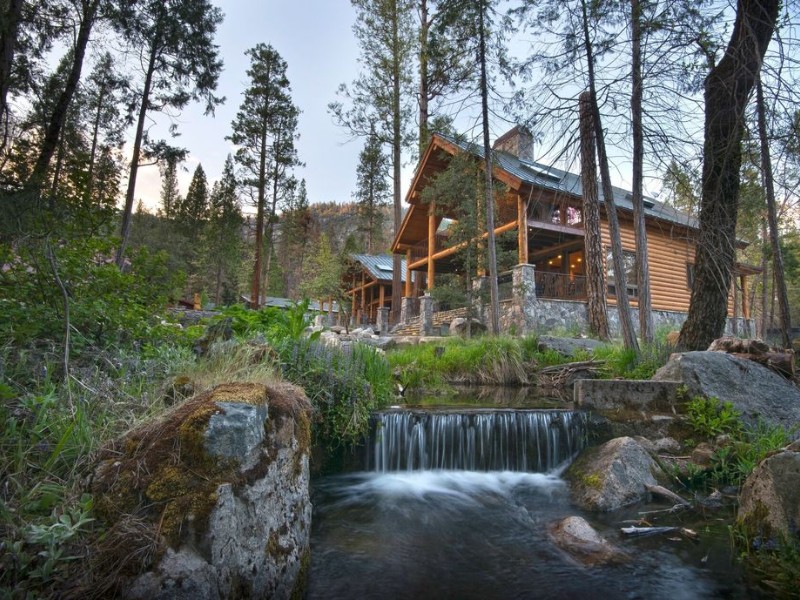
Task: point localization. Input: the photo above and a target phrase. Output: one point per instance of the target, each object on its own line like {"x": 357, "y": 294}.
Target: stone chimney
{"x": 518, "y": 141}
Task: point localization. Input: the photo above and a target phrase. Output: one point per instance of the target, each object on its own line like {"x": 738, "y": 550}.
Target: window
{"x": 689, "y": 275}
{"x": 629, "y": 259}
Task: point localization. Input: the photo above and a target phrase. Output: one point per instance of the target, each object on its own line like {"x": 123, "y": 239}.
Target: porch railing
{"x": 560, "y": 286}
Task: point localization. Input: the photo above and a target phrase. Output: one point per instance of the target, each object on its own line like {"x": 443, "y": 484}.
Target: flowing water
{"x": 455, "y": 504}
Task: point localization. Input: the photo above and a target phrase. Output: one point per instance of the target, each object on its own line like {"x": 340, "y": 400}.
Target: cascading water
{"x": 456, "y": 502}
{"x": 477, "y": 440}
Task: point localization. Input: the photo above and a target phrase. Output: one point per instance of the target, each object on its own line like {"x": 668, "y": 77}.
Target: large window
{"x": 629, "y": 258}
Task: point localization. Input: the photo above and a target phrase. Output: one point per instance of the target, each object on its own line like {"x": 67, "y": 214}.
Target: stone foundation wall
{"x": 571, "y": 317}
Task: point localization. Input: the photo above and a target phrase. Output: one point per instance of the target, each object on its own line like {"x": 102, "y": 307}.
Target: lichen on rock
{"x": 214, "y": 480}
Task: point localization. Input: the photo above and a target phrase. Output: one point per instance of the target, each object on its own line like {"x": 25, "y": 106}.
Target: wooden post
{"x": 745, "y": 306}
{"x": 431, "y": 242}
{"x": 381, "y": 296}
{"x": 522, "y": 230}
{"x": 363, "y": 298}
{"x": 407, "y": 292}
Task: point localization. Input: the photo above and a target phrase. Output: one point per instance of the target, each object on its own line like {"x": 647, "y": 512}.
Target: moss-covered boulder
{"x": 608, "y": 477}
{"x": 769, "y": 504}
{"x": 210, "y": 501}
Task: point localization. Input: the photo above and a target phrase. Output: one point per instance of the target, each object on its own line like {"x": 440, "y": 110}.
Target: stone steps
{"x": 440, "y": 318}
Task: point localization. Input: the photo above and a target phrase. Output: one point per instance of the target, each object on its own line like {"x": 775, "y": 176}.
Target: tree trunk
{"x": 424, "y": 93}
{"x": 272, "y": 213}
{"x": 727, "y": 88}
{"x": 620, "y": 279}
{"x": 59, "y": 116}
{"x": 8, "y": 42}
{"x": 127, "y": 213}
{"x": 397, "y": 293}
{"x": 595, "y": 279}
{"x": 639, "y": 222}
{"x": 255, "y": 300}
{"x": 772, "y": 218}
{"x": 764, "y": 280}
{"x": 494, "y": 293}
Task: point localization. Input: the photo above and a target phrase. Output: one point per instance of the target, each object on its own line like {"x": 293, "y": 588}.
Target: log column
{"x": 431, "y": 242}
{"x": 522, "y": 230}
{"x": 407, "y": 291}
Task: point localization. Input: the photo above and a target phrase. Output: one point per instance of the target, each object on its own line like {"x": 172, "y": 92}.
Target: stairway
{"x": 440, "y": 318}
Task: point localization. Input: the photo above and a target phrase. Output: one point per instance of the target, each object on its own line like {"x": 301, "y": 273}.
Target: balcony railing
{"x": 560, "y": 286}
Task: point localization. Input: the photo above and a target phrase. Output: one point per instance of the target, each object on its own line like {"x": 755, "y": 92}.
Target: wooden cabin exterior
{"x": 544, "y": 207}
{"x": 368, "y": 280}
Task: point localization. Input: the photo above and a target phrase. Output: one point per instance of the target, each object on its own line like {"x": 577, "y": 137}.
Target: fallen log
{"x": 780, "y": 362}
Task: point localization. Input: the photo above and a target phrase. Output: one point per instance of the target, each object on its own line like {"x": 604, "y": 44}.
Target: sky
{"x": 315, "y": 38}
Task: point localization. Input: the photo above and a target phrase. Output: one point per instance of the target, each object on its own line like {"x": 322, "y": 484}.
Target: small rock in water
{"x": 577, "y": 538}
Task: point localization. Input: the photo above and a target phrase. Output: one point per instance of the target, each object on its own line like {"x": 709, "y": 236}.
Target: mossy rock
{"x": 161, "y": 475}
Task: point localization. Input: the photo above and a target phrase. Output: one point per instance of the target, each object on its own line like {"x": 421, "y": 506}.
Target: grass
{"x": 482, "y": 360}
{"x": 509, "y": 360}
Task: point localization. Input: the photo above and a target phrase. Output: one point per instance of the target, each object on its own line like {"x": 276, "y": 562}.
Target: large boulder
{"x": 753, "y": 389}
{"x": 211, "y": 501}
{"x": 458, "y": 326}
{"x": 769, "y": 505}
{"x": 608, "y": 477}
{"x": 567, "y": 347}
{"x": 577, "y": 538}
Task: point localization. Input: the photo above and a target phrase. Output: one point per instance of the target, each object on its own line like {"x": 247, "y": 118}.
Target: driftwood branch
{"x": 559, "y": 375}
{"x": 658, "y": 490}
{"x": 646, "y": 531}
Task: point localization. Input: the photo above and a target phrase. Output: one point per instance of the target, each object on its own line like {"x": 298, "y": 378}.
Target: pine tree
{"x": 175, "y": 39}
{"x": 192, "y": 212}
{"x": 170, "y": 195}
{"x": 382, "y": 92}
{"x": 223, "y": 243}
{"x": 372, "y": 190}
{"x": 264, "y": 115}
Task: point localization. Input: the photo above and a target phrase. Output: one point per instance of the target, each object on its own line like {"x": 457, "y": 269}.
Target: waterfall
{"x": 479, "y": 440}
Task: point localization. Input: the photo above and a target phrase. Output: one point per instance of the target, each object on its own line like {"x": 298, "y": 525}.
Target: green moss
{"x": 300, "y": 584}
{"x": 162, "y": 473}
{"x": 592, "y": 480}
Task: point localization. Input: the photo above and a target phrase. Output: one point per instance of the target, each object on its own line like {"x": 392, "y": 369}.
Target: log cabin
{"x": 540, "y": 211}
{"x": 368, "y": 281}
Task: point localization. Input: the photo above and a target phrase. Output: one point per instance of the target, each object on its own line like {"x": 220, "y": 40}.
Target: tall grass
{"x": 484, "y": 360}
{"x": 50, "y": 430}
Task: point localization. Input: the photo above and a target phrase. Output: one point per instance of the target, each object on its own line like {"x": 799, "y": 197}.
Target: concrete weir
{"x": 611, "y": 394}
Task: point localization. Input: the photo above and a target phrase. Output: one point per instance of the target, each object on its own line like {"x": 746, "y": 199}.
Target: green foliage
{"x": 275, "y": 323}
{"x": 489, "y": 360}
{"x": 621, "y": 362}
{"x": 344, "y": 387}
{"x": 709, "y": 417}
{"x": 743, "y": 449}
{"x": 776, "y": 566}
{"x": 48, "y": 434}
{"x": 106, "y": 306}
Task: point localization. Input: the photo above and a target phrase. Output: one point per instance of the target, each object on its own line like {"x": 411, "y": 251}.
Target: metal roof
{"x": 380, "y": 266}
{"x": 545, "y": 176}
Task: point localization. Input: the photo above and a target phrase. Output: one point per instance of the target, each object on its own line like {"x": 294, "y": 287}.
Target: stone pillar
{"x": 383, "y": 320}
{"x": 523, "y": 300}
{"x": 406, "y": 310}
{"x": 426, "y": 311}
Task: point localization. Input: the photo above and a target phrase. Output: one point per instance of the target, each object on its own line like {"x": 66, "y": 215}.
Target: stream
{"x": 453, "y": 502}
